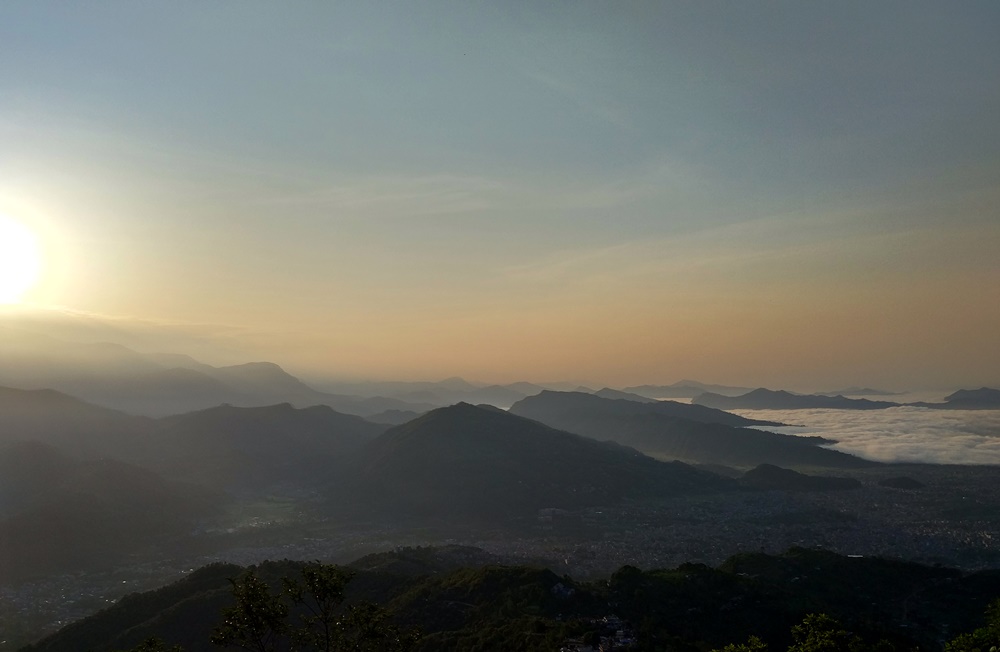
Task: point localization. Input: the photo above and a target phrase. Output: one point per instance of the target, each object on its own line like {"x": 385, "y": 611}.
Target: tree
{"x": 307, "y": 615}
{"x": 816, "y": 633}
{"x": 984, "y": 639}
{"x": 821, "y": 633}
{"x": 257, "y": 621}
{"x": 753, "y": 644}
{"x": 317, "y": 598}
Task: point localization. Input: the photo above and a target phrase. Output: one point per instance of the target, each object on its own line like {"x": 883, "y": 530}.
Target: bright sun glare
{"x": 20, "y": 260}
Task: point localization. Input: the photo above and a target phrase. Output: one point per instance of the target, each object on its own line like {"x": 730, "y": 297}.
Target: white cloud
{"x": 903, "y": 434}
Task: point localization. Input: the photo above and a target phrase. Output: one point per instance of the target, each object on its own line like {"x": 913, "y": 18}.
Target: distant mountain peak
{"x": 982, "y": 397}
{"x": 484, "y": 461}
{"x": 259, "y": 366}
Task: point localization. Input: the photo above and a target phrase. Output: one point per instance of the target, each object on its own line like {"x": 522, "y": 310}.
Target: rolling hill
{"x": 773, "y": 478}
{"x": 652, "y": 429}
{"x": 494, "y": 607}
{"x": 256, "y": 448}
{"x": 64, "y": 515}
{"x": 549, "y": 404}
{"x": 484, "y": 463}
{"x": 70, "y": 425}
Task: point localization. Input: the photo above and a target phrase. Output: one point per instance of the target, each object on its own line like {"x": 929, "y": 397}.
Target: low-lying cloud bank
{"x": 903, "y": 434}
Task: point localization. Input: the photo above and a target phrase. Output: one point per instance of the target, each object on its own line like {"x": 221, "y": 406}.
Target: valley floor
{"x": 954, "y": 520}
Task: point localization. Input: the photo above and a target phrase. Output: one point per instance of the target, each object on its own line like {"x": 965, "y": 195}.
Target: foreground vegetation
{"x": 804, "y": 601}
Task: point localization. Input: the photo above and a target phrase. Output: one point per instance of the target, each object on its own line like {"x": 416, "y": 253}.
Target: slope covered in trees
{"x": 691, "y": 607}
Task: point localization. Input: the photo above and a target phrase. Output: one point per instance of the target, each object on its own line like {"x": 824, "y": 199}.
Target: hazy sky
{"x": 783, "y": 193}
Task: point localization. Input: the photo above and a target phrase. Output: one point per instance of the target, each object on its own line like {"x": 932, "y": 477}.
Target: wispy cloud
{"x": 604, "y": 108}
{"x": 397, "y": 196}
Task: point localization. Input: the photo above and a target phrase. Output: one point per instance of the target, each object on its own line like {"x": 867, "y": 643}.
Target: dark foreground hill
{"x": 484, "y": 463}
{"x": 82, "y": 487}
{"x": 232, "y": 448}
{"x": 59, "y": 515}
{"x": 649, "y": 428}
{"x": 497, "y": 607}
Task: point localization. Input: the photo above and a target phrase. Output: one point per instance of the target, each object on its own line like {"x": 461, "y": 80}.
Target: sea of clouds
{"x": 901, "y": 434}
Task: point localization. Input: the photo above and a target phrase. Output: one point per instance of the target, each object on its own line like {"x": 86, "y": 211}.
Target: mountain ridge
{"x": 486, "y": 462}
{"x": 646, "y": 427}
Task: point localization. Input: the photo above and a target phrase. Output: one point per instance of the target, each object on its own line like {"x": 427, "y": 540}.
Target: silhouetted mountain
{"x": 32, "y": 360}
{"x": 225, "y": 446}
{"x": 650, "y": 428}
{"x": 607, "y": 392}
{"x": 184, "y": 612}
{"x": 524, "y": 389}
{"x": 28, "y": 470}
{"x": 158, "y": 384}
{"x": 157, "y": 393}
{"x": 376, "y": 404}
{"x": 257, "y": 448}
{"x": 394, "y": 417}
{"x": 63, "y": 515}
{"x": 457, "y": 383}
{"x": 766, "y": 399}
{"x": 485, "y": 463}
{"x": 983, "y": 398}
{"x": 178, "y": 390}
{"x": 541, "y": 406}
{"x": 770, "y": 477}
{"x": 859, "y": 391}
{"x": 178, "y": 361}
{"x": 427, "y": 395}
{"x": 901, "y": 482}
{"x": 684, "y": 389}
{"x": 397, "y": 388}
{"x": 70, "y": 425}
{"x": 496, "y": 395}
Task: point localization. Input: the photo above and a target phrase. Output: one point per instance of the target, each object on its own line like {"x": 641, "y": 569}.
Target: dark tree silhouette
{"x": 257, "y": 622}
{"x": 984, "y": 639}
{"x": 308, "y": 615}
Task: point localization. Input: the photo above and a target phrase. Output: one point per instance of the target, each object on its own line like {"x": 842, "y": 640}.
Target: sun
{"x": 20, "y": 260}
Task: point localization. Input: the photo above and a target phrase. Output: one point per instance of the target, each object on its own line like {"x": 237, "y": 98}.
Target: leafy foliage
{"x": 307, "y": 615}
{"x": 753, "y": 644}
{"x": 983, "y": 639}
{"x": 257, "y": 621}
{"x": 821, "y": 633}
{"x": 764, "y": 601}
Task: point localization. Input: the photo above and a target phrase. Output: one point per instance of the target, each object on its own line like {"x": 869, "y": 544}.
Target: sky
{"x": 787, "y": 194}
